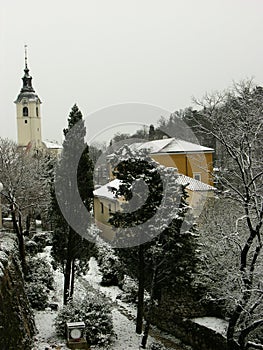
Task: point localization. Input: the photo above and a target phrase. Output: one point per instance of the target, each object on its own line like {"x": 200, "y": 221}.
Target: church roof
{"x": 27, "y": 91}
{"x": 173, "y": 145}
{"x": 52, "y": 145}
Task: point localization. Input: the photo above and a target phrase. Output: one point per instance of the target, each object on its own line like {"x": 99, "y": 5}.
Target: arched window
{"x": 37, "y": 111}
{"x": 25, "y": 112}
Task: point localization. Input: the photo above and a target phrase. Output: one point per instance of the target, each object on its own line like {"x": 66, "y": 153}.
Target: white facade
{"x": 28, "y": 114}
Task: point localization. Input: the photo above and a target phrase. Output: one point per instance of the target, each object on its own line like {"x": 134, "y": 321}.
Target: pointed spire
{"x": 27, "y": 90}
{"x": 27, "y": 79}
{"x": 25, "y": 56}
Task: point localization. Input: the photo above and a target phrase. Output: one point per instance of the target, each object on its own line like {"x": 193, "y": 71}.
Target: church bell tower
{"x": 28, "y": 113}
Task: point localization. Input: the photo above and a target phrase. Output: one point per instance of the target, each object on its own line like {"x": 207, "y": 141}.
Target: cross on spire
{"x": 25, "y": 56}
{"x": 27, "y": 79}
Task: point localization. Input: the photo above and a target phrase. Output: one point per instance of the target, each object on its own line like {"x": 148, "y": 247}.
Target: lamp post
{"x": 1, "y": 189}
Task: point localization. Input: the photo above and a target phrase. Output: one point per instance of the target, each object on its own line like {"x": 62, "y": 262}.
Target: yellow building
{"x": 106, "y": 203}
{"x": 192, "y": 162}
{"x": 28, "y": 117}
{"x": 28, "y": 113}
{"x": 190, "y": 159}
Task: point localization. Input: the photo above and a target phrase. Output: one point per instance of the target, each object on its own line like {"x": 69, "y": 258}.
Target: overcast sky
{"x": 101, "y": 53}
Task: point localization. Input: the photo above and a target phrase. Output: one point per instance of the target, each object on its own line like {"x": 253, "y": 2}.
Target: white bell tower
{"x": 28, "y": 113}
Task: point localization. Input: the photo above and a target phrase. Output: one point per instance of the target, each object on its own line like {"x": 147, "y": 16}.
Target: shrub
{"x": 37, "y": 295}
{"x": 41, "y": 239}
{"x": 94, "y": 313}
{"x": 39, "y": 280}
{"x": 110, "y": 266}
{"x": 31, "y": 247}
{"x": 130, "y": 289}
{"x": 39, "y": 272}
{"x": 157, "y": 346}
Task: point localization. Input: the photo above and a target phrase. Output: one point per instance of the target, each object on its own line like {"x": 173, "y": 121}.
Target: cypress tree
{"x": 69, "y": 249}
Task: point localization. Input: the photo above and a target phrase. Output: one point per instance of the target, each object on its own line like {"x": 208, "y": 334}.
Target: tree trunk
{"x": 247, "y": 279}
{"x": 67, "y": 275}
{"x": 149, "y": 317}
{"x": 145, "y": 334}
{"x": 139, "y": 319}
{"x": 72, "y": 282}
{"x": 28, "y": 223}
{"x": 68, "y": 269}
{"x": 232, "y": 326}
{"x": 21, "y": 245}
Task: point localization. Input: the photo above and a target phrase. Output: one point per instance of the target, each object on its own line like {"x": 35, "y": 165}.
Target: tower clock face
{"x": 75, "y": 333}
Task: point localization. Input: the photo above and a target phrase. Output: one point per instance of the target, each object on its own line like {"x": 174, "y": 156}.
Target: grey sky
{"x": 105, "y": 52}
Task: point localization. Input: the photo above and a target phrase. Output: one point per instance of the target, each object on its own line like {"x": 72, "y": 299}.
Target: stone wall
{"x": 16, "y": 319}
{"x": 181, "y": 303}
{"x": 173, "y": 315}
{"x": 200, "y": 337}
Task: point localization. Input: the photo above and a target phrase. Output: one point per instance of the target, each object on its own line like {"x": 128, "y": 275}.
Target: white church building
{"x": 28, "y": 116}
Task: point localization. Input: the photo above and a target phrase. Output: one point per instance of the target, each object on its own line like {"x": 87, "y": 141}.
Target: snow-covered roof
{"x": 193, "y": 184}
{"x": 52, "y": 145}
{"x": 173, "y": 145}
{"x": 156, "y": 145}
{"x": 105, "y": 192}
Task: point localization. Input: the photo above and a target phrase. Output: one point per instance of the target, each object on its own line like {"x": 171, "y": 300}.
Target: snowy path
{"x": 124, "y": 316}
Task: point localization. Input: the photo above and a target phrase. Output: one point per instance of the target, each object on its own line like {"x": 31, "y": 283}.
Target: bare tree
{"x": 25, "y": 187}
{"x": 235, "y": 119}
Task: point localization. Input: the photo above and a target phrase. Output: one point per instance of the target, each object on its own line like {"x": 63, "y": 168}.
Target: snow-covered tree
{"x": 69, "y": 248}
{"x": 25, "y": 179}
{"x": 235, "y": 119}
{"x": 153, "y": 226}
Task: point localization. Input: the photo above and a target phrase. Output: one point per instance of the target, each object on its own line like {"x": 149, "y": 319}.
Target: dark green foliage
{"x": 70, "y": 249}
{"x": 172, "y": 250}
{"x": 31, "y": 247}
{"x": 41, "y": 239}
{"x": 128, "y": 171}
{"x": 110, "y": 265}
{"x": 184, "y": 124}
{"x": 96, "y": 315}
{"x": 157, "y": 346}
{"x": 167, "y": 258}
{"x": 129, "y": 286}
{"x": 37, "y": 295}
{"x": 39, "y": 280}
{"x": 39, "y": 271}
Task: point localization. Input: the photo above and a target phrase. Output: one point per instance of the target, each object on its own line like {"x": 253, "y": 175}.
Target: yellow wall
{"x": 30, "y": 131}
{"x": 188, "y": 164}
{"x": 102, "y": 219}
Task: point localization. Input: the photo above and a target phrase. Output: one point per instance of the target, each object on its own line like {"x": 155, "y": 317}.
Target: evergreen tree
{"x": 70, "y": 249}
{"x": 164, "y": 256}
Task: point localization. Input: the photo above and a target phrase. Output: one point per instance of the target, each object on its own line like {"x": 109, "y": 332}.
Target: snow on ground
{"x": 46, "y": 338}
{"x": 93, "y": 277}
{"x": 126, "y": 337}
{"x": 123, "y": 313}
{"x": 217, "y": 324}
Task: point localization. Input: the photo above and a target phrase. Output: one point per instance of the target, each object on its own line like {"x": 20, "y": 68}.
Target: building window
{"x": 101, "y": 208}
{"x": 25, "y": 121}
{"x": 25, "y": 112}
{"x": 109, "y": 208}
{"x": 37, "y": 111}
{"x": 197, "y": 176}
